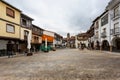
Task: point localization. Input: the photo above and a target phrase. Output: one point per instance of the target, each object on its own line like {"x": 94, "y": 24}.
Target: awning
{"x": 49, "y": 38}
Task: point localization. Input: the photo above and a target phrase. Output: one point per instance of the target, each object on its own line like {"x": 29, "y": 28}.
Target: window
{"x": 26, "y": 33}
{"x": 24, "y": 22}
{"x": 10, "y": 28}
{"x": 36, "y": 29}
{"x": 34, "y": 37}
{"x": 37, "y": 38}
{"x": 97, "y": 25}
{"x": 28, "y": 23}
{"x": 41, "y": 32}
{"x": 10, "y": 12}
{"x": 104, "y": 20}
{"x": 116, "y": 27}
{"x": 116, "y": 11}
{"x": 104, "y": 30}
{"x": 97, "y": 33}
{"x": 80, "y": 38}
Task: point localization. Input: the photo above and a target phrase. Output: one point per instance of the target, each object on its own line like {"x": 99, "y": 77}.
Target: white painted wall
{"x": 78, "y": 42}
{"x": 57, "y": 42}
{"x": 49, "y": 33}
{"x": 40, "y": 39}
{"x": 108, "y": 27}
{"x": 100, "y": 30}
{"x": 22, "y": 32}
{"x": 114, "y": 21}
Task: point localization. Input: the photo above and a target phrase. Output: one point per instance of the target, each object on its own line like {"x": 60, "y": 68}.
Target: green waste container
{"x": 43, "y": 48}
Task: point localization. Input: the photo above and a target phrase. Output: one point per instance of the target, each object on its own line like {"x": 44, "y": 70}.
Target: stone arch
{"x": 92, "y": 45}
{"x": 105, "y": 45}
{"x": 116, "y": 43}
{"x": 97, "y": 45}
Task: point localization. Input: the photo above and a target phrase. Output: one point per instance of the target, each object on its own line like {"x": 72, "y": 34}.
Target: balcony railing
{"x": 103, "y": 35}
{"x": 115, "y": 31}
{"x": 36, "y": 41}
{"x": 114, "y": 17}
{"x": 96, "y": 37}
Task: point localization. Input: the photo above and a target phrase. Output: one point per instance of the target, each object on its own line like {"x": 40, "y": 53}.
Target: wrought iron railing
{"x": 96, "y": 37}
{"x": 115, "y": 16}
{"x": 115, "y": 31}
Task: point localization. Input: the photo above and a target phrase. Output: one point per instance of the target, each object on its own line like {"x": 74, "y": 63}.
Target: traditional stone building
{"x": 81, "y": 38}
{"x": 68, "y": 39}
{"x": 72, "y": 42}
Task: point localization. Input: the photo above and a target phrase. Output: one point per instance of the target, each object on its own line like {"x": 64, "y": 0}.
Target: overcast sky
{"x": 62, "y": 16}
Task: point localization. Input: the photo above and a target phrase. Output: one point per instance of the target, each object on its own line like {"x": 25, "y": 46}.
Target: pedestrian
{"x": 82, "y": 46}
{"x": 10, "y": 49}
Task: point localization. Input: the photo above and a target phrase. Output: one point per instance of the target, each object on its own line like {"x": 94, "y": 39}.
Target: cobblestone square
{"x": 65, "y": 64}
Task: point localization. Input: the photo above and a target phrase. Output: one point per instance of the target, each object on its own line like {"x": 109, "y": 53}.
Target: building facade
{"x": 68, "y": 40}
{"x": 107, "y": 28}
{"x": 25, "y": 33}
{"x": 102, "y": 31}
{"x": 48, "y": 38}
{"x": 114, "y": 11}
{"x": 90, "y": 34}
{"x": 81, "y": 38}
{"x": 10, "y": 25}
{"x": 72, "y": 42}
{"x": 57, "y": 40}
{"x": 17, "y": 29}
{"x": 37, "y": 34}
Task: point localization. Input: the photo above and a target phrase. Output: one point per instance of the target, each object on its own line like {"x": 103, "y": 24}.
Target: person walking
{"x": 10, "y": 49}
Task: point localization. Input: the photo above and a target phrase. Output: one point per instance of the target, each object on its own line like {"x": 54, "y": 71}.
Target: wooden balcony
{"x": 36, "y": 41}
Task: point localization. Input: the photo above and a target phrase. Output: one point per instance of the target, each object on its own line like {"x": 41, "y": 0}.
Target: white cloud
{"x": 62, "y": 16}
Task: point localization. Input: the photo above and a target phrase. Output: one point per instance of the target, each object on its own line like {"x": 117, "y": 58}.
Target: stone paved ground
{"x": 66, "y": 64}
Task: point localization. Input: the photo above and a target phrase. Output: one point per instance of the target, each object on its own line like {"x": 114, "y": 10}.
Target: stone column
{"x": 46, "y": 43}
{"x": 100, "y": 48}
{"x": 76, "y": 42}
{"x": 111, "y": 48}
